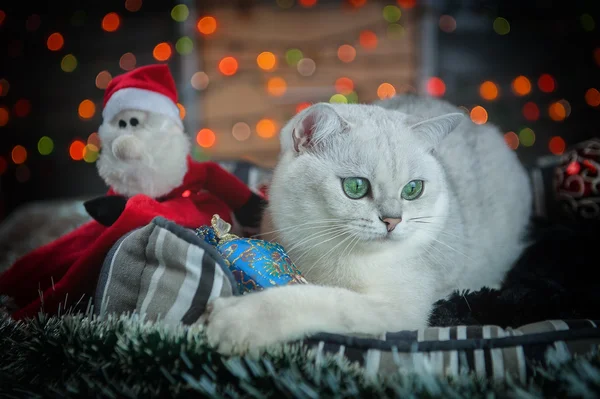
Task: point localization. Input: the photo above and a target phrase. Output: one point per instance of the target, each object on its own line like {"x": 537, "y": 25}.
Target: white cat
{"x": 385, "y": 208}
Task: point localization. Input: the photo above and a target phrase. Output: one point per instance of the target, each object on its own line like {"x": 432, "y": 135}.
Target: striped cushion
{"x": 162, "y": 271}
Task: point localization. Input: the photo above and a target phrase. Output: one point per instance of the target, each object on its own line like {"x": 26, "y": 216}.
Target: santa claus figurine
{"x": 145, "y": 160}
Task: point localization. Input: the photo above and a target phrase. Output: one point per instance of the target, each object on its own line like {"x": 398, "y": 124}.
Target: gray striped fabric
{"x": 162, "y": 271}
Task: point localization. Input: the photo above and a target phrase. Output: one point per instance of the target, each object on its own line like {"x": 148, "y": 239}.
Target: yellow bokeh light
{"x": 386, "y": 90}
{"x": 206, "y": 138}
{"x": 479, "y": 115}
{"x": 86, "y": 109}
{"x": 207, "y": 25}
{"x": 276, "y": 86}
{"x": 266, "y": 128}
{"x": 488, "y": 90}
{"x": 521, "y": 86}
{"x": 266, "y": 61}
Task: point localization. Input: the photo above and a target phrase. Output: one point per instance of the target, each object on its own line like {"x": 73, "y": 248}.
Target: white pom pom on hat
{"x": 148, "y": 88}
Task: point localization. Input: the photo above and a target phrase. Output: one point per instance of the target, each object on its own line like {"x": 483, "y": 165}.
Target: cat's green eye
{"x": 412, "y": 190}
{"x": 355, "y": 187}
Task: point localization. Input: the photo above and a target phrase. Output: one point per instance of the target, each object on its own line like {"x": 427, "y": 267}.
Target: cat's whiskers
{"x": 317, "y": 262}
{"x": 307, "y": 225}
{"x": 317, "y": 234}
{"x": 307, "y": 251}
{"x": 442, "y": 230}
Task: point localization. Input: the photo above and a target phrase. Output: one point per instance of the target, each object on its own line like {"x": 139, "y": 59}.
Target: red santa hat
{"x": 147, "y": 88}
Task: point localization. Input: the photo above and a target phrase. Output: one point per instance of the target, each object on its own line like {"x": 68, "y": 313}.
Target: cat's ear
{"x": 433, "y": 130}
{"x": 313, "y": 125}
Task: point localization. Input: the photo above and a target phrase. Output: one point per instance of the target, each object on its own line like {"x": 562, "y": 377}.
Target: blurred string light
{"x": 592, "y": 97}
{"x": 501, "y": 26}
{"x": 127, "y": 61}
{"x": 3, "y": 165}
{"x": 306, "y": 67}
{"x": 302, "y": 106}
{"x": 488, "y": 90}
{"x": 557, "y": 145}
{"x": 78, "y": 18}
{"x": 395, "y": 31}
{"x": 90, "y": 153}
{"x": 18, "y": 154}
{"x": 344, "y": 85}
{"x": 184, "y": 45}
{"x": 33, "y": 22}
{"x": 241, "y": 131}
{"x": 45, "y": 145}
{"x": 86, "y": 109}
{"x": 4, "y": 87}
{"x": 182, "y": 111}
{"x": 386, "y": 90}
{"x": 4, "y": 116}
{"x": 557, "y": 111}
{"x": 180, "y": 13}
{"x": 207, "y": 25}
{"x": 68, "y": 63}
{"x": 55, "y": 41}
{"x": 266, "y": 128}
{"x": 199, "y": 80}
{"x": 352, "y": 97}
{"x": 133, "y": 5}
{"x": 293, "y": 56}
{"x": 447, "y": 23}
{"x": 276, "y": 86}
{"x": 521, "y": 86}
{"x": 566, "y": 106}
{"x": 357, "y": 3}
{"x": 512, "y": 140}
{"x": 531, "y": 112}
{"x": 162, "y": 51}
{"x": 587, "y": 22}
{"x": 111, "y": 22}
{"x": 76, "y": 150}
{"x": 228, "y": 66}
{"x": 436, "y": 87}
{"x": 546, "y": 83}
{"x": 266, "y": 61}
{"x": 22, "y": 108}
{"x": 307, "y": 3}
{"x": 103, "y": 79}
{"x": 22, "y": 173}
{"x": 338, "y": 99}
{"x": 391, "y": 13}
{"x": 527, "y": 137}
{"x": 94, "y": 139}
{"x": 407, "y": 4}
{"x": 206, "y": 138}
{"x": 368, "y": 39}
{"x": 285, "y": 4}
{"x": 479, "y": 115}
{"x": 346, "y": 53}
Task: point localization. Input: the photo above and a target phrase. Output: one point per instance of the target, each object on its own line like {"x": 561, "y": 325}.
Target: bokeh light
{"x": 266, "y": 61}
{"x": 4, "y": 116}
{"x": 103, "y": 79}
{"x": 180, "y": 13}
{"x": 546, "y": 83}
{"x": 357, "y": 3}
{"x": 391, "y": 13}
{"x": 436, "y": 87}
{"x": 531, "y": 112}
{"x": 111, "y": 22}
{"x": 488, "y": 90}
{"x": 228, "y": 66}
{"x": 207, "y": 25}
{"x": 94, "y": 140}
{"x": 206, "y": 138}
{"x": 68, "y": 63}
{"x": 184, "y": 45}
{"x": 76, "y": 150}
{"x": 22, "y": 173}
{"x": 90, "y": 153}
{"x": 338, "y": 99}
{"x": 55, "y": 42}
{"x": 302, "y": 106}
{"x": 386, "y": 90}
{"x": 592, "y": 97}
{"x": 276, "y": 86}
{"x": 266, "y": 128}
{"x": 346, "y": 53}
{"x": 407, "y": 4}
{"x": 587, "y": 22}
{"x": 4, "y": 87}
{"x": 293, "y": 56}
{"x": 2, "y": 17}
{"x": 447, "y": 23}
{"x": 368, "y": 39}
{"x": 479, "y": 115}
{"x": 22, "y": 108}
{"x": 182, "y": 111}
{"x": 133, "y": 5}
{"x": 127, "y": 61}
{"x": 344, "y": 85}
{"x": 527, "y": 137}
{"x": 501, "y": 26}
{"x": 306, "y": 67}
{"x": 512, "y": 140}
{"x": 241, "y": 131}
{"x": 199, "y": 80}
{"x": 521, "y": 86}
{"x": 557, "y": 145}
{"x": 557, "y": 111}
{"x": 162, "y": 51}
{"x": 307, "y": 3}
{"x": 45, "y": 145}
{"x": 33, "y": 22}
{"x": 86, "y": 109}
{"x": 352, "y": 97}
{"x": 18, "y": 154}
{"x": 566, "y": 106}
{"x": 395, "y": 31}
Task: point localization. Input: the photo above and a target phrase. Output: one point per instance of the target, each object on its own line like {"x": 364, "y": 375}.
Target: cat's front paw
{"x": 249, "y": 323}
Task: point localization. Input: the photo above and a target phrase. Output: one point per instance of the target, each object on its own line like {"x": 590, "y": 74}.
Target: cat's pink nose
{"x": 391, "y": 223}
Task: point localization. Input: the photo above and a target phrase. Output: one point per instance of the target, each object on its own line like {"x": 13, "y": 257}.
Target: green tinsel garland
{"x": 121, "y": 357}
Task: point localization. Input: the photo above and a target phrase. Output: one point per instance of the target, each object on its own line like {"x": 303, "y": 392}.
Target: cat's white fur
{"x": 149, "y": 158}
{"x": 475, "y": 209}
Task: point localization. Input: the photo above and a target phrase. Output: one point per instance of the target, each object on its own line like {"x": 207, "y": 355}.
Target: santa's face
{"x": 142, "y": 153}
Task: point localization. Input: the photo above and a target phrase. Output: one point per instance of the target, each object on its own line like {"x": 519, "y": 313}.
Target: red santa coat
{"x": 65, "y": 271}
